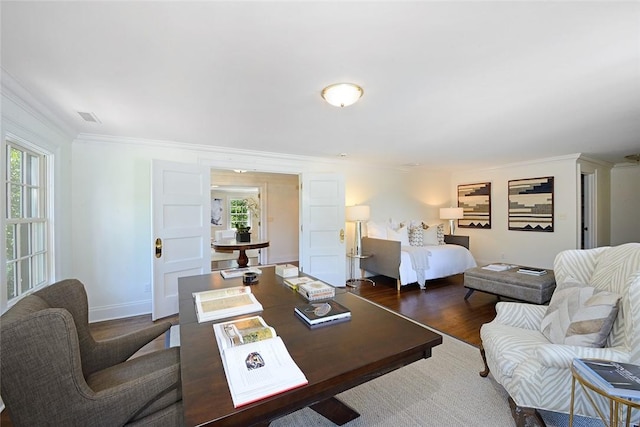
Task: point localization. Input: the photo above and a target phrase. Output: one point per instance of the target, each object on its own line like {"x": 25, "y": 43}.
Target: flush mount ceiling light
{"x": 633, "y": 157}
{"x": 342, "y": 94}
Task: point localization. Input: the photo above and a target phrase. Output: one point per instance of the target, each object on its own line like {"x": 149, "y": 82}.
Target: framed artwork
{"x": 531, "y": 204}
{"x": 475, "y": 200}
{"x": 217, "y": 210}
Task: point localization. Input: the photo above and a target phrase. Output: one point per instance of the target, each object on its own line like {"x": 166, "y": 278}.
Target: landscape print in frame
{"x": 531, "y": 204}
{"x": 475, "y": 200}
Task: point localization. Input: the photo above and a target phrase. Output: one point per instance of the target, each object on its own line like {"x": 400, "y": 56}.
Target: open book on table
{"x": 256, "y": 362}
{"x": 222, "y": 303}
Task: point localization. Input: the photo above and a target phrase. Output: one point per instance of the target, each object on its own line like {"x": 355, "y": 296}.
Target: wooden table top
{"x": 232, "y": 244}
{"x": 334, "y": 358}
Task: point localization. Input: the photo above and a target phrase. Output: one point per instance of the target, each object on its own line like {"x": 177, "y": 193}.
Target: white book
{"x": 239, "y": 272}
{"x": 222, "y": 303}
{"x": 259, "y": 368}
{"x": 498, "y": 267}
{"x": 316, "y": 290}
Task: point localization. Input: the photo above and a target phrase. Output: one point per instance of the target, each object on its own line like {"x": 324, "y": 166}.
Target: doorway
{"x": 278, "y": 219}
{"x": 587, "y": 210}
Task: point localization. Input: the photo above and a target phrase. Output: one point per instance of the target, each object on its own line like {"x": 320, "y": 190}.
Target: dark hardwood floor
{"x": 441, "y": 306}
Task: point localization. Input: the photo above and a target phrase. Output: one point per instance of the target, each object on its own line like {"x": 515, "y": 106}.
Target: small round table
{"x": 352, "y": 281}
{"x": 617, "y": 404}
{"x": 242, "y": 247}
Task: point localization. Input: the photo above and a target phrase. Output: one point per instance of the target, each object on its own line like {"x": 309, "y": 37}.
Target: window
{"x": 239, "y": 213}
{"x": 26, "y": 220}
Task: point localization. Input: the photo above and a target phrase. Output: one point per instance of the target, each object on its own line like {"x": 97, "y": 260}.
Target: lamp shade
{"x": 342, "y": 94}
{"x": 451, "y": 213}
{"x": 357, "y": 213}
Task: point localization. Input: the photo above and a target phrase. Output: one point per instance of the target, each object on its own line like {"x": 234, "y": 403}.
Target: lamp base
{"x": 452, "y": 226}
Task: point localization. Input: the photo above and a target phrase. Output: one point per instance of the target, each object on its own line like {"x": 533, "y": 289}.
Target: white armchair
{"x": 537, "y": 373}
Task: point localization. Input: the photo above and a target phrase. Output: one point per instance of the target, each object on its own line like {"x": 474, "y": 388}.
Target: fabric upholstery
{"x": 43, "y": 382}
{"x": 536, "y": 372}
{"x": 580, "y": 315}
{"x": 70, "y": 294}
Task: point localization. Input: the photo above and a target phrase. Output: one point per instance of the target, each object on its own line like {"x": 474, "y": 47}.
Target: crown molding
{"x": 18, "y": 94}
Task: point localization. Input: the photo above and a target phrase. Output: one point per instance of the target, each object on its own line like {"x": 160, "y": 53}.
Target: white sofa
{"x": 535, "y": 372}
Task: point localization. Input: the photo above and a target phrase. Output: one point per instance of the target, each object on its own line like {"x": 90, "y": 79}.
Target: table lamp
{"x": 358, "y": 214}
{"x": 451, "y": 214}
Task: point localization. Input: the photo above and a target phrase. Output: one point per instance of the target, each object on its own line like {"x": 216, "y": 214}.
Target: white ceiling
{"x": 447, "y": 84}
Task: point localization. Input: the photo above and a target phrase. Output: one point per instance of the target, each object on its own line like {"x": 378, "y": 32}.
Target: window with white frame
{"x": 239, "y": 215}
{"x": 26, "y": 220}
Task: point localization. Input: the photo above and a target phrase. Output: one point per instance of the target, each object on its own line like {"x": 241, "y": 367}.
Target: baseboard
{"x": 118, "y": 311}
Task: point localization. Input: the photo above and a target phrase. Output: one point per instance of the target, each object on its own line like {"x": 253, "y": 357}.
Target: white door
{"x": 180, "y": 203}
{"x": 322, "y": 246}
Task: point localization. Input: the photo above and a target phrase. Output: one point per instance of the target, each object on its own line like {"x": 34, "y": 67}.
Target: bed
{"x": 411, "y": 264}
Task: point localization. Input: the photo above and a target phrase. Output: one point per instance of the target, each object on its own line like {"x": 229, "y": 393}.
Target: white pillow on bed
{"x": 434, "y": 235}
{"x": 430, "y": 236}
{"x": 376, "y": 231}
{"x": 402, "y": 235}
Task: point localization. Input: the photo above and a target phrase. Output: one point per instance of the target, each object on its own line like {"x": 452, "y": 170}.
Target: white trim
{"x": 119, "y": 311}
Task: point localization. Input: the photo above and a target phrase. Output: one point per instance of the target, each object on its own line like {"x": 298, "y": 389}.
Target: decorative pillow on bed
{"x": 402, "y": 235}
{"x": 416, "y": 235}
{"x": 376, "y": 231}
{"x": 580, "y": 315}
{"x": 440, "y": 234}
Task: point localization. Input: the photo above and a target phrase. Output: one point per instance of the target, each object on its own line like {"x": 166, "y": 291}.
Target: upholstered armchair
{"x": 54, "y": 373}
{"x": 535, "y": 371}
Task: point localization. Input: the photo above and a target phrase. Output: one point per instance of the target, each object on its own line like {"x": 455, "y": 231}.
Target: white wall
{"x": 625, "y": 204}
{"x": 538, "y": 249}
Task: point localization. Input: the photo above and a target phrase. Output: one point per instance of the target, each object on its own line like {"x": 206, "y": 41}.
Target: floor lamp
{"x": 358, "y": 214}
{"x": 451, "y": 214}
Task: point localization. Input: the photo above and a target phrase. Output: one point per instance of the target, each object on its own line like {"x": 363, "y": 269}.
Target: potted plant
{"x": 242, "y": 232}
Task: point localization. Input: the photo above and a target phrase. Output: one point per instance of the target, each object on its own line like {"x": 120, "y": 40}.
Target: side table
{"x": 352, "y": 281}
{"x": 619, "y": 407}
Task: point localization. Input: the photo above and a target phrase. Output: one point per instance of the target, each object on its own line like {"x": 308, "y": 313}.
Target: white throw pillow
{"x": 376, "y": 231}
{"x": 430, "y": 236}
{"x": 402, "y": 235}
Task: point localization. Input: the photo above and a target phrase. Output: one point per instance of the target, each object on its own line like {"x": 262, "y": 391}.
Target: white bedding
{"x": 440, "y": 261}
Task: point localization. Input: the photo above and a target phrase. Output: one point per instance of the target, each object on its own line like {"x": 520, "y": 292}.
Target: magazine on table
{"x": 615, "y": 378}
{"x": 317, "y": 313}
{"x": 294, "y": 282}
{"x": 532, "y": 271}
{"x": 222, "y": 303}
{"x": 256, "y": 362}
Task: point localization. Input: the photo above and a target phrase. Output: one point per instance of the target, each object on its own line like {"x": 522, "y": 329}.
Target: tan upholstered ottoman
{"x": 511, "y": 284}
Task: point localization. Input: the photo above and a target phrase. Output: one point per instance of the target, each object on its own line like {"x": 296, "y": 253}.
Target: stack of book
{"x": 322, "y": 313}
{"x": 294, "y": 282}
{"x": 532, "y": 271}
{"x": 614, "y": 378}
{"x": 316, "y": 290}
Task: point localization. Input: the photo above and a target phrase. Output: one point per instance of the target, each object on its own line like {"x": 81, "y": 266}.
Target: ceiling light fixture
{"x": 342, "y": 94}
{"x": 633, "y": 157}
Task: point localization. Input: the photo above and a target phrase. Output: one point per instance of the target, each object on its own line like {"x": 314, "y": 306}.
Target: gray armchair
{"x": 47, "y": 381}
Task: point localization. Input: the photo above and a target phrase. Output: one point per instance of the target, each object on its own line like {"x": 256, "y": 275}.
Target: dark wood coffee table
{"x": 334, "y": 358}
